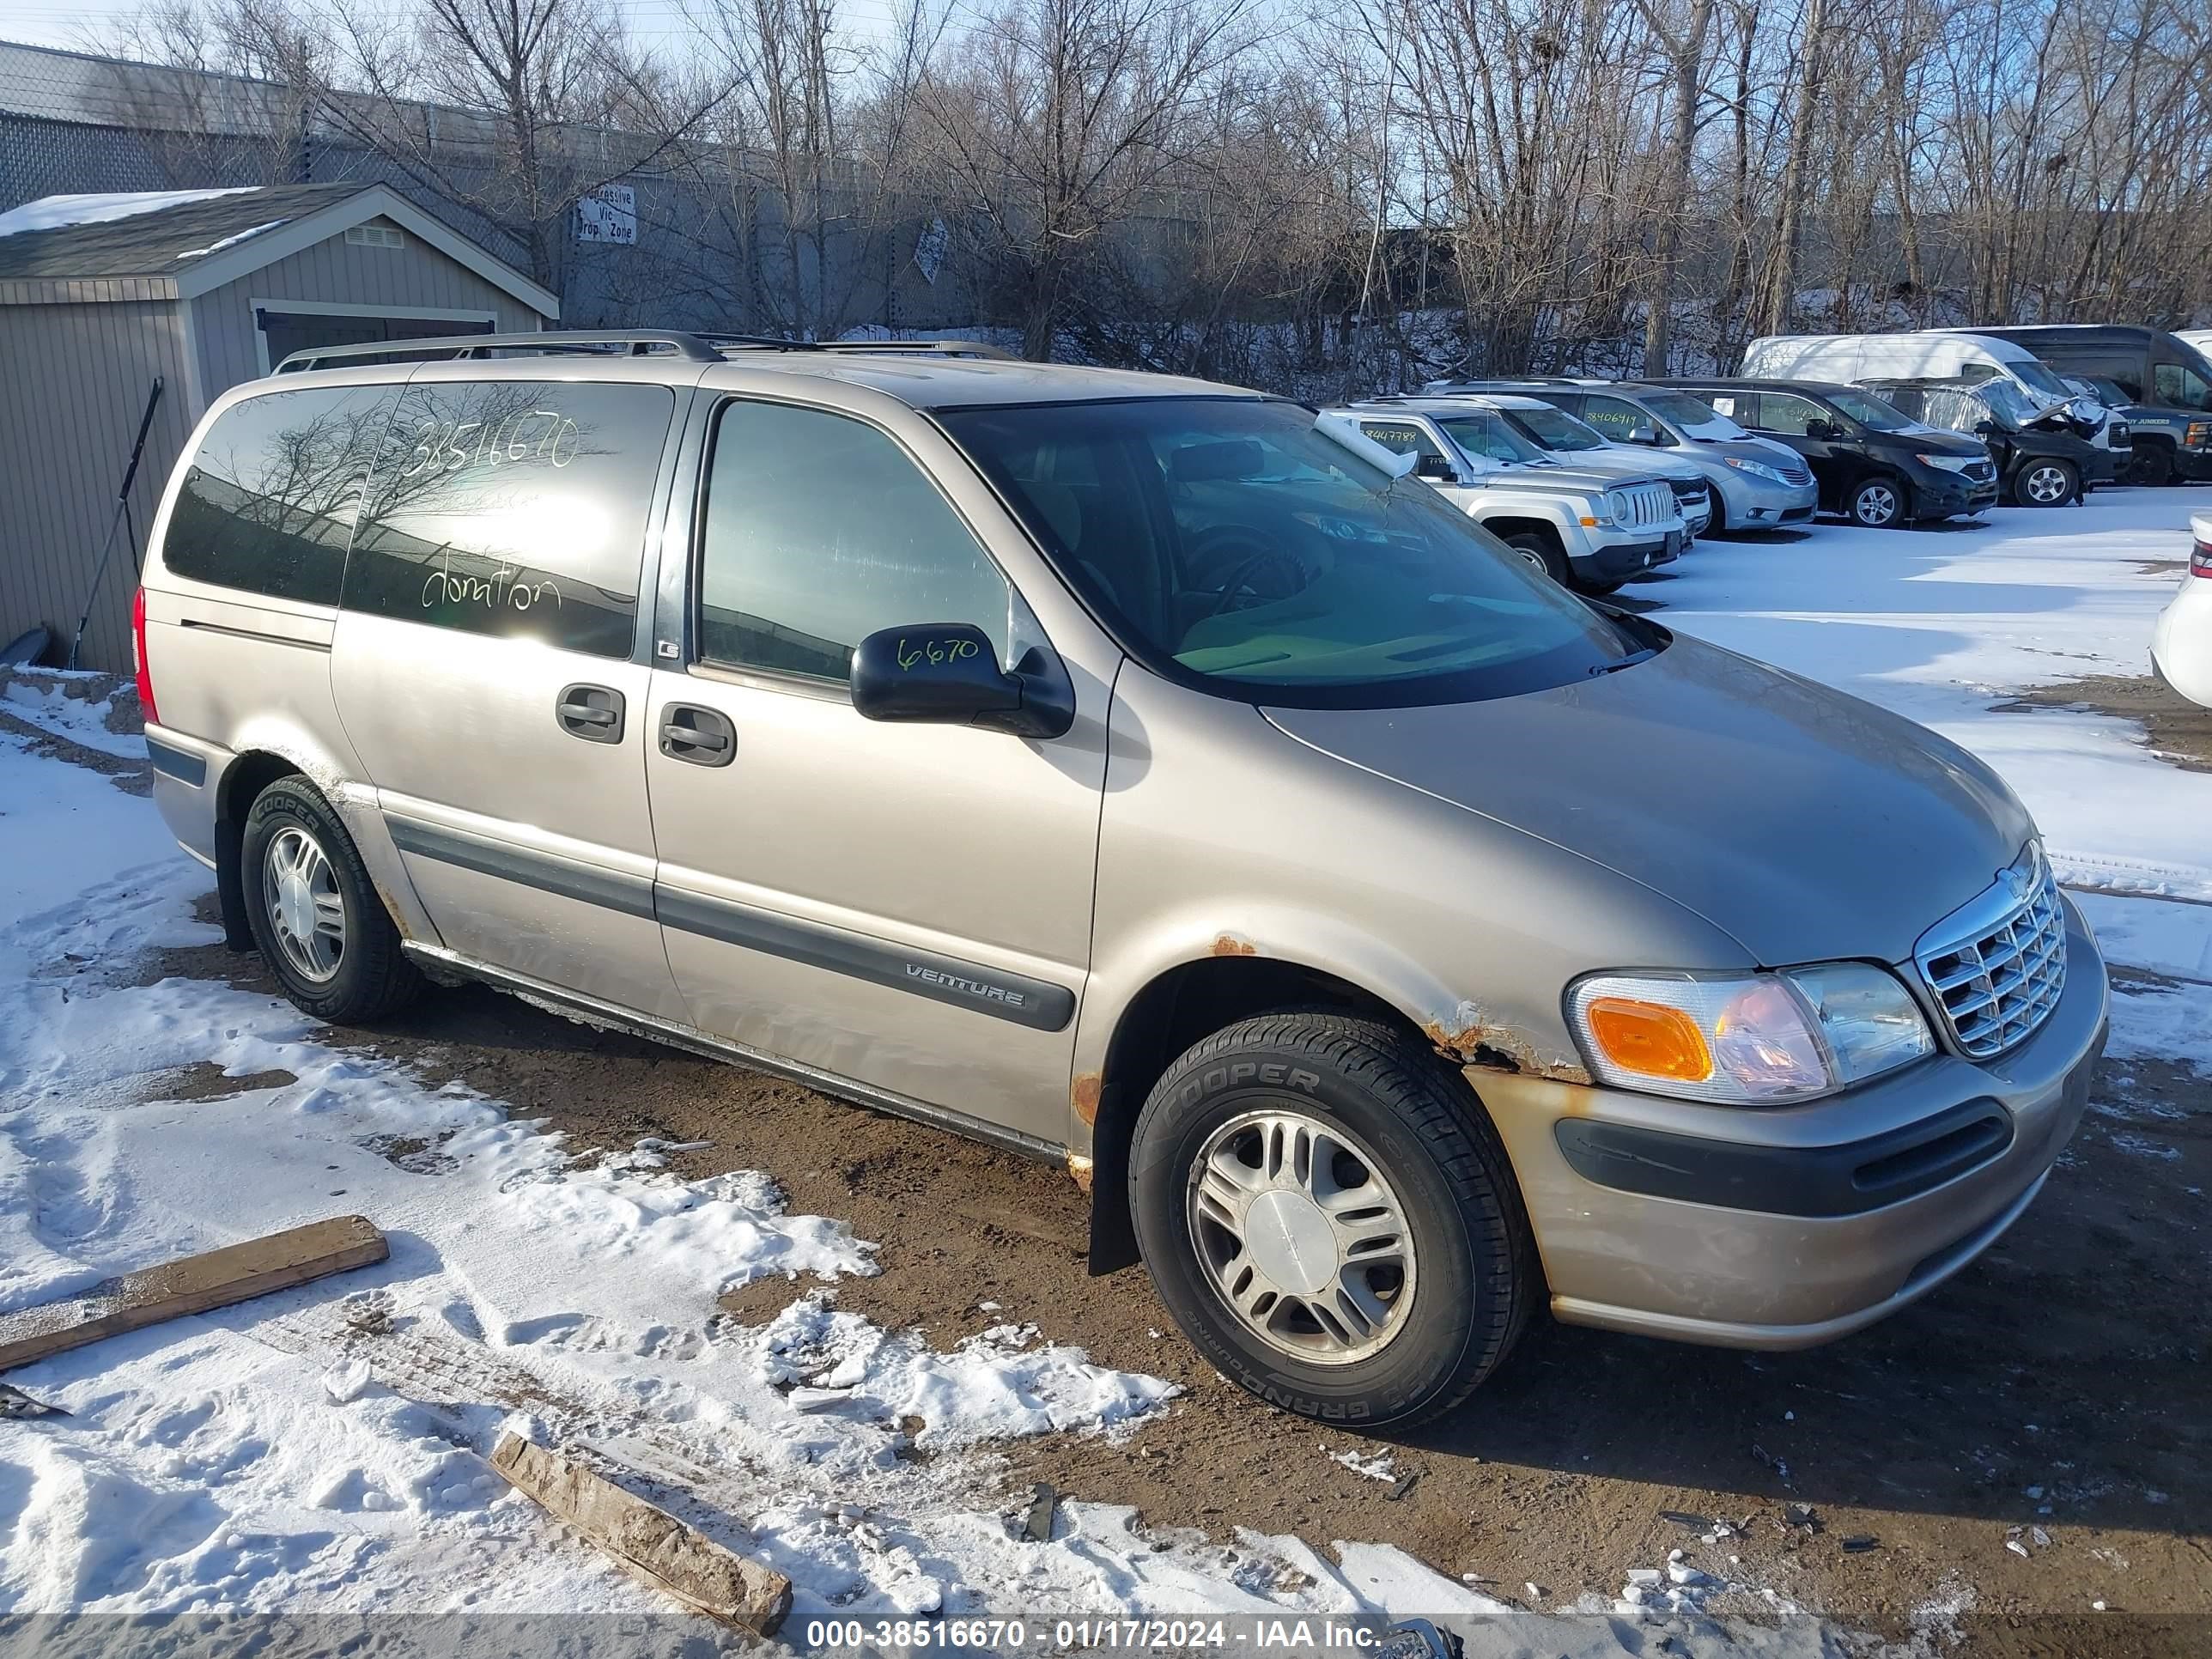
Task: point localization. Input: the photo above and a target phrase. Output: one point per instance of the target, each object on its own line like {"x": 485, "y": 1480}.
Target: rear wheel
{"x": 1331, "y": 1220}
{"x": 2045, "y": 484}
{"x": 314, "y": 913}
{"x": 2153, "y": 465}
{"x": 1879, "y": 504}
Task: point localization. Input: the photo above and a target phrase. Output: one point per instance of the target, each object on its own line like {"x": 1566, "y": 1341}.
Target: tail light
{"x": 2200, "y": 559}
{"x": 138, "y": 660}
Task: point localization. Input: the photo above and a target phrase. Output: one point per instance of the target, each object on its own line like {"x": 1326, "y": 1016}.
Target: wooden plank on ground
{"x": 650, "y": 1543}
{"x": 196, "y": 1284}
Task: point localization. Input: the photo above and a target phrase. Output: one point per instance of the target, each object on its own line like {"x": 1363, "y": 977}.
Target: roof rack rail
{"x": 698, "y": 348}
{"x": 460, "y": 348}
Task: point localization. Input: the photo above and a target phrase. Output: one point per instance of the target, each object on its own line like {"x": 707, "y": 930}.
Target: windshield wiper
{"x": 1628, "y": 661}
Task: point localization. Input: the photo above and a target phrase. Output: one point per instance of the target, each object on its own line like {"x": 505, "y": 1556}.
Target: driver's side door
{"x": 906, "y": 907}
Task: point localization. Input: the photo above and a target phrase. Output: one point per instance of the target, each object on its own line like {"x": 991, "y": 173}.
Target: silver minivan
{"x": 1132, "y": 772}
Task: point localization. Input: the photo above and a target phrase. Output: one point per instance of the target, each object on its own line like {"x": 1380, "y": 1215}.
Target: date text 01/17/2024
{"x": 1069, "y": 1635}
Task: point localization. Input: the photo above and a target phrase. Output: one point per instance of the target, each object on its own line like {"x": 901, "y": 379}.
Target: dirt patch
{"x": 204, "y": 1080}
{"x": 2175, "y": 730}
{"x": 2056, "y": 1384}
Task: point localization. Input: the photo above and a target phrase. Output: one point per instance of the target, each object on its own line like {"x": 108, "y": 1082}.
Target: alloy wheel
{"x": 299, "y": 890}
{"x": 1876, "y": 506}
{"x": 1301, "y": 1237}
{"x": 2046, "y": 486}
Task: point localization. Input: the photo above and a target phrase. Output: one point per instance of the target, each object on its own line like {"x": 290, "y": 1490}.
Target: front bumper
{"x": 1939, "y": 495}
{"x": 1755, "y": 504}
{"x": 1615, "y": 561}
{"x": 1811, "y": 1238}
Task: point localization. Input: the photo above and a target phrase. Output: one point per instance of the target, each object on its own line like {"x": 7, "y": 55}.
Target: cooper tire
{"x": 2046, "y": 483}
{"x": 302, "y": 877}
{"x": 1405, "y": 1147}
{"x": 1879, "y": 504}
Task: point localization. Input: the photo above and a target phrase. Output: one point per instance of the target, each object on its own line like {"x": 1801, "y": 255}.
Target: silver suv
{"x": 1758, "y": 483}
{"x": 1589, "y": 529}
{"x": 1133, "y": 772}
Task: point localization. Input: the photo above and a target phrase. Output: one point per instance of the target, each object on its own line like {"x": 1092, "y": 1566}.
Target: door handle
{"x": 699, "y": 736}
{"x": 593, "y": 713}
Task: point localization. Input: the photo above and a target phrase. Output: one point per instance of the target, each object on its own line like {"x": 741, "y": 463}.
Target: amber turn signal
{"x": 1649, "y": 1038}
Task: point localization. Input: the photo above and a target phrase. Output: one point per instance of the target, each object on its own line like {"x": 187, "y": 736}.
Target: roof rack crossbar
{"x": 698, "y": 348}
{"x": 637, "y": 343}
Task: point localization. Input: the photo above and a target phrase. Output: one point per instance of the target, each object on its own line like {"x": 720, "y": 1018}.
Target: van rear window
{"x": 513, "y": 508}
{"x": 269, "y": 501}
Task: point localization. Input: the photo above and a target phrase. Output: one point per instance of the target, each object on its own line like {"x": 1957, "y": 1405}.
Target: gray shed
{"x": 205, "y": 288}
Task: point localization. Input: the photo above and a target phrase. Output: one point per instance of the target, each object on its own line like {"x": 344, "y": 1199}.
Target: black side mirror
{"x": 948, "y": 674}
{"x": 1435, "y": 468}
{"x": 1986, "y": 429}
{"x": 1819, "y": 432}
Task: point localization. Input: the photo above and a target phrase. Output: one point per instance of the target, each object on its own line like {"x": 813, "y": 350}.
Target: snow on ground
{"x": 53, "y": 701}
{"x": 1940, "y": 625}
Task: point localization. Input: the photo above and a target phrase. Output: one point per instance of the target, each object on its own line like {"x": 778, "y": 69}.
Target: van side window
{"x": 1780, "y": 412}
{"x": 269, "y": 502}
{"x": 513, "y": 508}
{"x": 2181, "y": 386}
{"x": 818, "y": 530}
{"x": 1405, "y": 438}
{"x": 1614, "y": 417}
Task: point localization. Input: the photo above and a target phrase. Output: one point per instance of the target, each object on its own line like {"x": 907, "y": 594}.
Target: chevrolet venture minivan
{"x": 1136, "y": 773}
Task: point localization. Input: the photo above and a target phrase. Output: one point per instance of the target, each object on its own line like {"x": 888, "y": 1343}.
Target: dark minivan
{"x": 2040, "y": 461}
{"x": 1875, "y": 465}
{"x": 2168, "y": 384}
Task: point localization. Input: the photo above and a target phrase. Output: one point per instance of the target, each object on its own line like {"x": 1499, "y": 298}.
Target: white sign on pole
{"x": 608, "y": 214}
{"x": 929, "y": 250}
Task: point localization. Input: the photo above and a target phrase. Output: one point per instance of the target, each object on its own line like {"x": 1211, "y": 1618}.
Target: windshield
{"x": 1693, "y": 414}
{"x": 2008, "y": 403}
{"x": 2034, "y": 375}
{"x": 1236, "y": 544}
{"x": 1555, "y": 429}
{"x": 1870, "y": 411}
{"x": 1491, "y": 435}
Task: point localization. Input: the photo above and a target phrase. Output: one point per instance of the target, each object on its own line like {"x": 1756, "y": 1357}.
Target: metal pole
{"x": 122, "y": 507}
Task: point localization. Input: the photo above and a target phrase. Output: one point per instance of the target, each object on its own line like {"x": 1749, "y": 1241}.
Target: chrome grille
{"x": 1795, "y": 472}
{"x": 1651, "y": 504}
{"x": 1996, "y": 967}
{"x": 2120, "y": 440}
{"x": 1982, "y": 471}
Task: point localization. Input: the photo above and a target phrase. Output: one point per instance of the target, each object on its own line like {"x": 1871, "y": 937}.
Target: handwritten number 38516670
{"x": 545, "y": 435}
{"x": 932, "y": 652}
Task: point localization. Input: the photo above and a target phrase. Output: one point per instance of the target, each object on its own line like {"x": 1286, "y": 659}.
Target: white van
{"x": 1927, "y": 353}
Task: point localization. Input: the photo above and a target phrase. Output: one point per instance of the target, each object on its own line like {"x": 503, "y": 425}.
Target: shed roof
{"x": 176, "y": 245}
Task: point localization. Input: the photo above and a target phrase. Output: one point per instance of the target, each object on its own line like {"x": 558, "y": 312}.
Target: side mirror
{"x": 948, "y": 674}
{"x": 1434, "y": 468}
{"x": 1985, "y": 428}
{"x": 1819, "y": 432}
{"x": 1643, "y": 433}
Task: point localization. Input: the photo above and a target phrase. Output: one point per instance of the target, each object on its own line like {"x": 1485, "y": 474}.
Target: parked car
{"x": 1570, "y": 442}
{"x": 1591, "y": 530}
{"x": 2181, "y": 642}
{"x": 1134, "y": 772}
{"x": 1756, "y": 483}
{"x": 1944, "y": 354}
{"x": 2166, "y": 382}
{"x": 1872, "y": 462}
{"x": 2040, "y": 461}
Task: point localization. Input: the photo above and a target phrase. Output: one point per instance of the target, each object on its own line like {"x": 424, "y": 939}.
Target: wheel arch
{"x": 242, "y": 783}
{"x": 1182, "y": 1003}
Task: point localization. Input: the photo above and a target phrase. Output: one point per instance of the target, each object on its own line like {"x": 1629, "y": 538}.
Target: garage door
{"x": 288, "y": 331}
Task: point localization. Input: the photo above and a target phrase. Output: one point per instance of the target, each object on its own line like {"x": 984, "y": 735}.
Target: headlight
{"x": 1618, "y": 504}
{"x": 1748, "y": 1040}
{"x": 1757, "y": 469}
{"x": 1949, "y": 463}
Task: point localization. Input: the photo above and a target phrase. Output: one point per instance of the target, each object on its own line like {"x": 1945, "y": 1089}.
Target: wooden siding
{"x": 416, "y": 277}
{"x": 75, "y": 386}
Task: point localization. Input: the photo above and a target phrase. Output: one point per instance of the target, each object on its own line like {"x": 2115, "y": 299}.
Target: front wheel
{"x": 2045, "y": 484}
{"x": 1543, "y": 552}
{"x": 1879, "y": 504}
{"x": 1331, "y": 1220}
{"x": 2153, "y": 465}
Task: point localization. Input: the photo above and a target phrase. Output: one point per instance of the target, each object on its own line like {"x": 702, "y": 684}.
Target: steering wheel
{"x": 1235, "y": 582}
